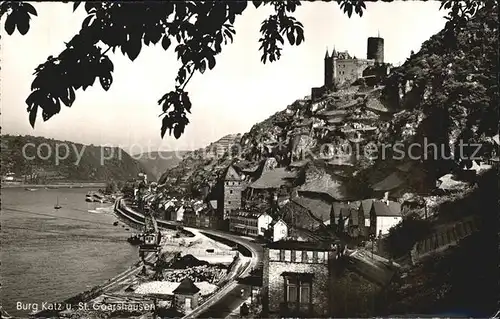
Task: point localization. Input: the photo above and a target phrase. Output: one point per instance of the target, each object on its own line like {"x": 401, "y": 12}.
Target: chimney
{"x": 386, "y": 198}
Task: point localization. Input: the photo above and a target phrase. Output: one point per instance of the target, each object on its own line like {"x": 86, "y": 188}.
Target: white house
{"x": 179, "y": 214}
{"x": 249, "y": 223}
{"x": 263, "y": 222}
{"x": 383, "y": 216}
{"x": 280, "y": 230}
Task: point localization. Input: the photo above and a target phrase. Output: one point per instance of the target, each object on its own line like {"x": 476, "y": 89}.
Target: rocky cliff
{"x": 446, "y": 92}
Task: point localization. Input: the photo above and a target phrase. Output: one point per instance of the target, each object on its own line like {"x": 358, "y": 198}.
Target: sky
{"x": 238, "y": 93}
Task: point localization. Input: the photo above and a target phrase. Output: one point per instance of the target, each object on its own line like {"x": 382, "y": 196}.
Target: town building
{"x": 249, "y": 223}
{"x": 383, "y": 215}
{"x": 186, "y": 296}
{"x": 233, "y": 186}
{"x": 202, "y": 215}
{"x": 296, "y": 278}
{"x": 280, "y": 230}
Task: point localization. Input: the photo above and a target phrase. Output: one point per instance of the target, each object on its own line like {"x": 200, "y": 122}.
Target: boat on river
{"x": 57, "y": 206}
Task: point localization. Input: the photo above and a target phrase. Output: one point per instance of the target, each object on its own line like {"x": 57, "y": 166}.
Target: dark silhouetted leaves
{"x": 106, "y": 81}
{"x": 10, "y": 24}
{"x": 23, "y": 24}
{"x": 32, "y": 112}
{"x": 76, "y": 4}
{"x": 165, "y": 42}
{"x": 29, "y": 8}
{"x": 18, "y": 15}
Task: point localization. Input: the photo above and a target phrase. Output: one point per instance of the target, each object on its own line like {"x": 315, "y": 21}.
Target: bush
{"x": 404, "y": 235}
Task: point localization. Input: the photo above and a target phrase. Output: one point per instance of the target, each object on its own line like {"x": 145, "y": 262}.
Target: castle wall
{"x": 351, "y": 69}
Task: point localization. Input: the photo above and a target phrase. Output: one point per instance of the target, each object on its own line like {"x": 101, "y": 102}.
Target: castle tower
{"x": 375, "y": 49}
{"x": 329, "y": 72}
{"x": 233, "y": 187}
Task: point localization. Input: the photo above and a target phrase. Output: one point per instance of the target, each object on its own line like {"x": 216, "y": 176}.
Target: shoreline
{"x": 98, "y": 290}
{"x": 55, "y": 186}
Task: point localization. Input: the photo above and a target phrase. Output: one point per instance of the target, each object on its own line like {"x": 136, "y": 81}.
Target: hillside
{"x": 158, "y": 162}
{"x": 445, "y": 92}
{"x": 47, "y": 160}
{"x": 196, "y": 167}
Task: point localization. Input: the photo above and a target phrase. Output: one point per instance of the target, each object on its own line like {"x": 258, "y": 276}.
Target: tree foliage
{"x": 196, "y": 29}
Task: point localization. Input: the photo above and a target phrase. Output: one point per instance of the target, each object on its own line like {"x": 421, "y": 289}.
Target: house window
{"x": 310, "y": 257}
{"x": 230, "y": 191}
{"x": 282, "y": 255}
{"x": 321, "y": 257}
{"x": 274, "y": 255}
{"x": 291, "y": 290}
{"x": 297, "y": 292}
{"x": 288, "y": 255}
{"x": 229, "y": 202}
{"x": 298, "y": 256}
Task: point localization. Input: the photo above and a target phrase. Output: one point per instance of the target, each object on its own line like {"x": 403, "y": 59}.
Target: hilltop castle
{"x": 341, "y": 67}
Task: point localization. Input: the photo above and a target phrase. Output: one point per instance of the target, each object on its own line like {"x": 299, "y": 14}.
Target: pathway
{"x": 444, "y": 237}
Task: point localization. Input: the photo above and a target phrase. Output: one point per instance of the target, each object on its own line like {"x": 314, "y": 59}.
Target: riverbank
{"x": 57, "y": 185}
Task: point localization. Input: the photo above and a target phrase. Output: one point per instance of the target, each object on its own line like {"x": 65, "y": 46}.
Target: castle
{"x": 341, "y": 67}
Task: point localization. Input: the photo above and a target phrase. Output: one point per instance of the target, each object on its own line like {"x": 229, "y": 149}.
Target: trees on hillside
{"x": 197, "y": 29}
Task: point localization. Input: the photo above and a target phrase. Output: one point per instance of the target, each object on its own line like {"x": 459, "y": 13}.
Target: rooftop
{"x": 301, "y": 245}
{"x": 273, "y": 179}
{"x": 186, "y": 287}
{"x": 326, "y": 184}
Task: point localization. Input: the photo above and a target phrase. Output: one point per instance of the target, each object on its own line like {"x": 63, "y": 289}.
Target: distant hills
{"x": 158, "y": 162}
{"x": 36, "y": 159}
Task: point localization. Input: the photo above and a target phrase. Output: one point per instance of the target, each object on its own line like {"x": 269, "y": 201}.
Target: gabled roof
{"x": 326, "y": 184}
{"x": 384, "y": 210}
{"x": 389, "y": 183}
{"x": 496, "y": 138}
{"x": 186, "y": 287}
{"x": 231, "y": 174}
{"x": 318, "y": 207}
{"x": 366, "y": 206}
{"x": 213, "y": 203}
{"x": 273, "y": 178}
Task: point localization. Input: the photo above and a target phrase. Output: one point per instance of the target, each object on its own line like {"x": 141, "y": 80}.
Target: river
{"x": 49, "y": 255}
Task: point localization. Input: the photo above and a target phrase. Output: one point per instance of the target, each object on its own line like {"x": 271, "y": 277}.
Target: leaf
{"x": 10, "y": 23}
{"x": 166, "y": 122}
{"x": 23, "y": 22}
{"x": 257, "y": 3}
{"x": 76, "y": 5}
{"x": 32, "y": 115}
{"x": 291, "y": 37}
{"x": 29, "y": 8}
{"x": 211, "y": 62}
{"x": 300, "y": 36}
{"x": 106, "y": 81}
{"x": 165, "y": 42}
{"x": 186, "y": 102}
{"x": 203, "y": 66}
{"x": 178, "y": 130}
{"x": 133, "y": 46}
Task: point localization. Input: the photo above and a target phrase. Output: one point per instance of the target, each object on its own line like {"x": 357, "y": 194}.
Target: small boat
{"x": 57, "y": 206}
{"x": 30, "y": 189}
{"x": 134, "y": 240}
